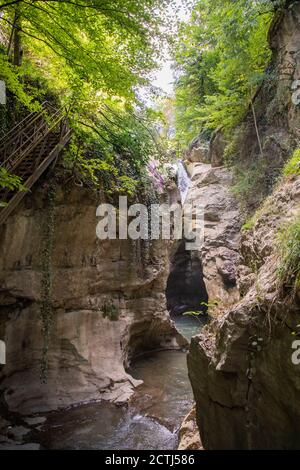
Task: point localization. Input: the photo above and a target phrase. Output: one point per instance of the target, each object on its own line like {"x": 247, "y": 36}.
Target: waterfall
{"x": 184, "y": 181}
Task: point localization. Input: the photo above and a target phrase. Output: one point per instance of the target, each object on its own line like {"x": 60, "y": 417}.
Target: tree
{"x": 221, "y": 57}
{"x": 92, "y": 55}
{"x": 108, "y": 44}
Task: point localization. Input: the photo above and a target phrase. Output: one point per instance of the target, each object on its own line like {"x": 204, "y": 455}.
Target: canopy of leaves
{"x": 92, "y": 55}
{"x": 221, "y": 55}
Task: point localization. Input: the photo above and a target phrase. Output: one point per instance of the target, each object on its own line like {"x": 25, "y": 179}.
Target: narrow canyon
{"x": 144, "y": 344}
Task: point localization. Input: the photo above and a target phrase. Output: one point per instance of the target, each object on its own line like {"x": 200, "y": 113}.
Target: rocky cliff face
{"x": 241, "y": 371}
{"x": 262, "y": 154}
{"x": 210, "y": 189}
{"x": 107, "y": 297}
{"x": 245, "y": 383}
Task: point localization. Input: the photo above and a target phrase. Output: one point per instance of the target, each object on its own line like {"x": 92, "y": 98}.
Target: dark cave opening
{"x": 186, "y": 289}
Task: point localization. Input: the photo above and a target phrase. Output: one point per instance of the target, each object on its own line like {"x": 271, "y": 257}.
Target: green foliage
{"x": 110, "y": 311}
{"x": 9, "y": 181}
{"x": 193, "y": 313}
{"x": 249, "y": 224}
{"x": 204, "y": 308}
{"x": 115, "y": 152}
{"x": 292, "y": 167}
{"x": 93, "y": 56}
{"x": 250, "y": 185}
{"x": 210, "y": 304}
{"x": 14, "y": 79}
{"x": 107, "y": 45}
{"x": 221, "y": 55}
{"x": 289, "y": 250}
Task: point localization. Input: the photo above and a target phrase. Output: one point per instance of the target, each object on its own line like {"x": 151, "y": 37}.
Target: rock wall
{"x": 277, "y": 114}
{"x": 241, "y": 371}
{"x": 210, "y": 189}
{"x": 245, "y": 384}
{"x": 108, "y": 305}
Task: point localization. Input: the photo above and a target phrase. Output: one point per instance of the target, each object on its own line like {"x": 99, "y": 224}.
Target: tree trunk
{"x": 256, "y": 129}
{"x": 17, "y": 58}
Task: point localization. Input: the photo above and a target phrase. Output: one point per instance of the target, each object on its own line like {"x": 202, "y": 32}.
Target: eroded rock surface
{"x": 217, "y": 147}
{"x": 243, "y": 377}
{"x": 219, "y": 256}
{"x": 245, "y": 383}
{"x": 108, "y": 306}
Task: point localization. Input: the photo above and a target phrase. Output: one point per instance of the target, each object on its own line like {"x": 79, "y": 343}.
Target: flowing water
{"x": 183, "y": 182}
{"x": 150, "y": 422}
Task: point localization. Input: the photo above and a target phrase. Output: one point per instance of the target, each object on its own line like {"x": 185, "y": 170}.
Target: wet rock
{"x": 185, "y": 288}
{"x": 17, "y": 432}
{"x": 15, "y": 446}
{"x": 35, "y": 421}
{"x": 198, "y": 151}
{"x": 189, "y": 438}
{"x": 219, "y": 255}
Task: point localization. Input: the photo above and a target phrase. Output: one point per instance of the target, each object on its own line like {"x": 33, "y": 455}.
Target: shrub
{"x": 292, "y": 167}
{"x": 250, "y": 184}
{"x": 289, "y": 250}
{"x": 110, "y": 311}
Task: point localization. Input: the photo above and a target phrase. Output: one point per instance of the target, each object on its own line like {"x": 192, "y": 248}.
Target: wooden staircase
{"x": 28, "y": 150}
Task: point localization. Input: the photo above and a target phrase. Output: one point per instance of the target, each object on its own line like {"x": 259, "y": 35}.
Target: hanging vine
{"x": 46, "y": 309}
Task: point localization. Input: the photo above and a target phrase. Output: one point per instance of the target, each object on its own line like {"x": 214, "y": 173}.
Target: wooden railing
{"x": 23, "y": 138}
{"x": 28, "y": 150}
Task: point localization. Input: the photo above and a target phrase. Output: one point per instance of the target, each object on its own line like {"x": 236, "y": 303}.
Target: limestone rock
{"x": 245, "y": 279}
{"x": 108, "y": 306}
{"x": 198, "y": 154}
{"x": 198, "y": 151}
{"x": 244, "y": 380}
{"x": 217, "y": 148}
{"x": 242, "y": 372}
{"x": 219, "y": 257}
{"x": 189, "y": 438}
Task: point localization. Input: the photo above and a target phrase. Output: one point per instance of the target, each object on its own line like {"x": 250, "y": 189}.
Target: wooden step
{"x": 33, "y": 177}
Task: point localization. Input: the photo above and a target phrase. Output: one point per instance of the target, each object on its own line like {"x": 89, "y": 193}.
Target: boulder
{"x": 219, "y": 257}
{"x": 199, "y": 154}
{"x": 216, "y": 149}
{"x": 189, "y": 438}
{"x": 198, "y": 151}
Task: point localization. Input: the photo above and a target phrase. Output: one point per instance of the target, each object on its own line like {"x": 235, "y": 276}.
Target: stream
{"x": 152, "y": 419}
